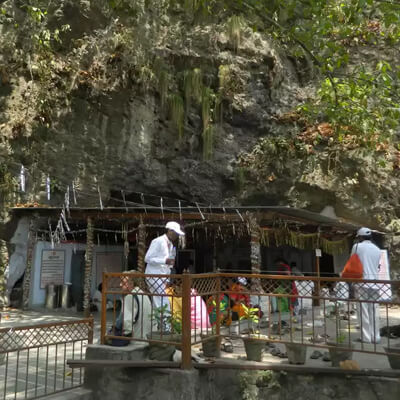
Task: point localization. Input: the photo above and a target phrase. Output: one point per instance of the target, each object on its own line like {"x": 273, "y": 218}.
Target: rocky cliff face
{"x": 147, "y": 98}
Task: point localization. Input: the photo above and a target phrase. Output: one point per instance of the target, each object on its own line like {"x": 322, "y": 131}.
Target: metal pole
{"x": 218, "y": 310}
{"x": 186, "y": 325}
{"x": 90, "y": 330}
{"x": 317, "y": 270}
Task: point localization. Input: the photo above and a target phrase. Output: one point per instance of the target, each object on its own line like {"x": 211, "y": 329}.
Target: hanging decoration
{"x": 334, "y": 247}
{"x": 240, "y": 215}
{"x": 100, "y": 201}
{"x": 48, "y": 187}
{"x": 126, "y": 243}
{"x": 144, "y": 204}
{"x": 201, "y": 214}
{"x": 66, "y": 200}
{"x": 22, "y": 178}
{"x": 74, "y": 192}
{"x": 123, "y": 198}
{"x": 304, "y": 241}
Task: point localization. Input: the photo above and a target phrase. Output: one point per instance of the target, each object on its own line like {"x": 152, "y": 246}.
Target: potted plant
{"x": 210, "y": 342}
{"x": 173, "y": 333}
{"x": 339, "y": 350}
{"x": 296, "y": 352}
{"x": 254, "y": 343}
{"x": 394, "y": 359}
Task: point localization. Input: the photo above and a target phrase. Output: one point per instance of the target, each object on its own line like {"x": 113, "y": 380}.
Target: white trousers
{"x": 157, "y": 286}
{"x": 369, "y": 315}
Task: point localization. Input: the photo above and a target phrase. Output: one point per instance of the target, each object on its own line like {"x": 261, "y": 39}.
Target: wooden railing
{"x": 286, "y": 309}
{"x": 33, "y": 359}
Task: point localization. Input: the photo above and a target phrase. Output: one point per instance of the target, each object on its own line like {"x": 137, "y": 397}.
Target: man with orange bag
{"x": 369, "y": 256}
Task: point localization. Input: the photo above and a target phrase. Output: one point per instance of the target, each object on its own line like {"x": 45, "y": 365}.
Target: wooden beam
{"x": 123, "y": 363}
{"x": 186, "y": 322}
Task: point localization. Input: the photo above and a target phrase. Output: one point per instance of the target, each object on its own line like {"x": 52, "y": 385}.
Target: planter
{"x": 338, "y": 354}
{"x": 254, "y": 348}
{"x": 163, "y": 351}
{"x": 296, "y": 352}
{"x": 210, "y": 346}
{"x": 394, "y": 361}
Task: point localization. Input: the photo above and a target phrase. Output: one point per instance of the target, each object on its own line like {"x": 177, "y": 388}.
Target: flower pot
{"x": 337, "y": 353}
{"x": 394, "y": 360}
{"x": 254, "y": 348}
{"x": 162, "y": 351}
{"x": 210, "y": 346}
{"x": 296, "y": 352}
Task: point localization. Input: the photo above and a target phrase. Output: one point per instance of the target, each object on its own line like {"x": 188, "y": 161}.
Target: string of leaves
{"x": 303, "y": 241}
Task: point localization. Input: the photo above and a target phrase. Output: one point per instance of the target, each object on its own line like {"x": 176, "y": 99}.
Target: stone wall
{"x": 225, "y": 384}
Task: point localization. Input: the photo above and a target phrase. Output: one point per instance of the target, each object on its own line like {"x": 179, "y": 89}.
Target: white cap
{"x": 174, "y": 226}
{"x": 364, "y": 232}
{"x": 242, "y": 280}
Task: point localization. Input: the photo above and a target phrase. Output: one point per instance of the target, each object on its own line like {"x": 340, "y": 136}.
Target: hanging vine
{"x": 206, "y": 112}
{"x": 177, "y": 113}
{"x": 234, "y": 30}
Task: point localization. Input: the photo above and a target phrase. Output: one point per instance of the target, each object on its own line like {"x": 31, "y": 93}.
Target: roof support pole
{"x": 255, "y": 246}
{"x": 3, "y": 265}
{"x": 26, "y": 285}
{"x": 88, "y": 267}
{"x": 141, "y": 246}
{"x": 255, "y": 251}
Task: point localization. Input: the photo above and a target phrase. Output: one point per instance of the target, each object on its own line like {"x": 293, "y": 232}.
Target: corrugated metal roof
{"x": 265, "y": 212}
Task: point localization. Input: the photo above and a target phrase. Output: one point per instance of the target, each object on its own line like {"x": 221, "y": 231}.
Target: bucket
{"x": 66, "y": 295}
{"x": 296, "y": 352}
{"x": 394, "y": 360}
{"x": 51, "y": 297}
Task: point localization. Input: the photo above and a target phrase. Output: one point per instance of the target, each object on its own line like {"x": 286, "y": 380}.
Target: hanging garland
{"x": 303, "y": 241}
{"x": 334, "y": 247}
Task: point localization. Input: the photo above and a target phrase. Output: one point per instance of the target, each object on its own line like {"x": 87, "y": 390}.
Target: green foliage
{"x": 177, "y": 113}
{"x": 361, "y": 99}
{"x": 163, "y": 86}
{"x": 234, "y": 30}
{"x": 208, "y": 99}
{"x": 224, "y": 74}
{"x": 366, "y": 102}
{"x": 193, "y": 85}
{"x": 250, "y": 313}
{"x": 163, "y": 315}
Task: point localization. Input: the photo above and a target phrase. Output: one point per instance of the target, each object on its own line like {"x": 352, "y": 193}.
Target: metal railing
{"x": 33, "y": 358}
{"x": 312, "y": 311}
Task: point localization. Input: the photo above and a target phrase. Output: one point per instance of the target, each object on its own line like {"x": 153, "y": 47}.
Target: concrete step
{"x": 72, "y": 394}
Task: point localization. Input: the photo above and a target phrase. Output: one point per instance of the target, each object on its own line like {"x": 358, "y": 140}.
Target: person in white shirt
{"x": 134, "y": 319}
{"x": 160, "y": 259}
{"x": 370, "y": 256}
{"x": 98, "y": 298}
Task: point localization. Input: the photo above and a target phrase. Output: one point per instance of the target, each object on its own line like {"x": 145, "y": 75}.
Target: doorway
{"x": 77, "y": 277}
